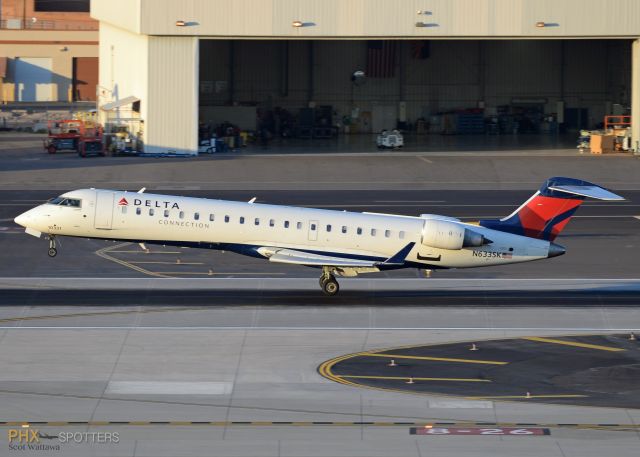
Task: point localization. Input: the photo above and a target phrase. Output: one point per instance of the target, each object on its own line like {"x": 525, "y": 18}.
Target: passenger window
{"x": 387, "y": 233}
{"x": 272, "y": 223}
{"x": 196, "y": 216}
{"x": 373, "y": 232}
{"x": 328, "y": 227}
{"x": 257, "y": 221}
{"x": 242, "y": 219}
{"x": 138, "y": 211}
{"x": 344, "y": 229}
{"x": 401, "y": 235}
{"x": 359, "y": 231}
{"x": 151, "y": 211}
{"x": 226, "y": 218}
{"x": 299, "y": 225}
{"x": 124, "y": 209}
{"x": 286, "y": 224}
{"x": 166, "y": 213}
{"x": 313, "y": 226}
{"x": 181, "y": 215}
{"x": 211, "y": 217}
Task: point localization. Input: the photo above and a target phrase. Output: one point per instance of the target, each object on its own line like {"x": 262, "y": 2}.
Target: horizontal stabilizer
{"x": 592, "y": 191}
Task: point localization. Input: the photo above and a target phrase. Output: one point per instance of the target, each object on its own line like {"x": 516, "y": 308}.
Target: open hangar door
{"x": 336, "y": 95}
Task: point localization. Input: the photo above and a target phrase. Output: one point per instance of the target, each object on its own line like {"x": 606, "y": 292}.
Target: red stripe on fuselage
{"x": 536, "y": 215}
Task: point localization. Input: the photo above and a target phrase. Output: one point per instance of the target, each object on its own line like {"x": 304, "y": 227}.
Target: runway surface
{"x": 221, "y": 358}
{"x": 305, "y": 292}
{"x": 590, "y": 370}
{"x": 243, "y": 380}
{"x": 602, "y": 241}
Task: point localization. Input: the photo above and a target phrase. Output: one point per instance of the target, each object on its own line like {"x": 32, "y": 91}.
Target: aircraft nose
{"x": 22, "y": 219}
{"x": 555, "y": 250}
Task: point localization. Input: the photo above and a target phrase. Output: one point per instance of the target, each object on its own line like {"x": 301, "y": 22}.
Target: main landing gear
{"x": 328, "y": 282}
{"x": 52, "y": 246}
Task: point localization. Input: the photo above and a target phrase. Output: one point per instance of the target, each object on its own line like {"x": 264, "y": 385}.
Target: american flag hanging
{"x": 381, "y": 58}
{"x": 420, "y": 49}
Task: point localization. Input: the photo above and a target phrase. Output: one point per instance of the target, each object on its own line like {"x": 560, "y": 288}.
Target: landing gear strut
{"x": 52, "y": 246}
{"x": 328, "y": 282}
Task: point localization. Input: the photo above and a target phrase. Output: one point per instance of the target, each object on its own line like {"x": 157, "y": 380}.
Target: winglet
{"x": 400, "y": 256}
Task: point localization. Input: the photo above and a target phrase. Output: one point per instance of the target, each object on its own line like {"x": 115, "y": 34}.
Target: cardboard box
{"x": 602, "y": 144}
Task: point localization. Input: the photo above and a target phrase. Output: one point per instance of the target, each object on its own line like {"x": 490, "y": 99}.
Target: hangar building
{"x": 339, "y": 68}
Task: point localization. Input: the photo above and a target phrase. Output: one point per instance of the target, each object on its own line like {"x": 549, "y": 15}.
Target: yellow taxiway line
{"x": 220, "y": 273}
{"x": 146, "y": 252}
{"x": 434, "y": 359}
{"x": 168, "y": 263}
{"x": 573, "y": 343}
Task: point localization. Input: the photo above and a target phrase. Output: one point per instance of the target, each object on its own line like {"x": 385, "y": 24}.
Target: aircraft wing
{"x": 319, "y": 260}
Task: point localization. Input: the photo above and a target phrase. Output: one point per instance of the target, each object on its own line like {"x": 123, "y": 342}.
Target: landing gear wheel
{"x": 330, "y": 286}
{"x": 52, "y": 246}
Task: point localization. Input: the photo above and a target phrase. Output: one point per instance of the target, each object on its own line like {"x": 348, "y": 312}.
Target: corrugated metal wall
{"x": 456, "y": 75}
{"x": 172, "y": 98}
{"x": 391, "y": 18}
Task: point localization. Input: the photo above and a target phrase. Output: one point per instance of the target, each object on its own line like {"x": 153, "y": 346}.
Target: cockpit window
{"x": 63, "y": 201}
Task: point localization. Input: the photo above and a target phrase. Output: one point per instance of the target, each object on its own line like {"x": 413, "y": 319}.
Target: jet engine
{"x": 444, "y": 234}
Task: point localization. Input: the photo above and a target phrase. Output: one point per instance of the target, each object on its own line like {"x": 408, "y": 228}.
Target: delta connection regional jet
{"x": 337, "y": 242}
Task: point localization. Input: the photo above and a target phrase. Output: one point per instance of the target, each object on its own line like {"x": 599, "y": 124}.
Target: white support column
{"x": 635, "y": 96}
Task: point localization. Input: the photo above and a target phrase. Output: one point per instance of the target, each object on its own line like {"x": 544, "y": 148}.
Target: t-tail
{"x": 548, "y": 211}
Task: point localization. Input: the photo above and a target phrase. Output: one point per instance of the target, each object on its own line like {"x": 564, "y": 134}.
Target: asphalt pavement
{"x": 194, "y": 352}
{"x": 602, "y": 240}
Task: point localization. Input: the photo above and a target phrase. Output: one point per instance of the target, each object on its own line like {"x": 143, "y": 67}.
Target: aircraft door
{"x": 313, "y": 230}
{"x": 104, "y": 210}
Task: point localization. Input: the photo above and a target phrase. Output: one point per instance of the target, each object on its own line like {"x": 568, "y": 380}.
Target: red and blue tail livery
{"x": 548, "y": 211}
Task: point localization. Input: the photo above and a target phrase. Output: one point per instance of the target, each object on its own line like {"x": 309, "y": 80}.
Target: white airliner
{"x": 337, "y": 242}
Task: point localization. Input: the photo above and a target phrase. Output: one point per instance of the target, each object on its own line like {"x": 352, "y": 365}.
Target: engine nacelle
{"x": 443, "y": 234}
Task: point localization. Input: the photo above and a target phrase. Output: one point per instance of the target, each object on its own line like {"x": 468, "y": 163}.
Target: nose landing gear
{"x": 52, "y": 246}
{"x": 328, "y": 282}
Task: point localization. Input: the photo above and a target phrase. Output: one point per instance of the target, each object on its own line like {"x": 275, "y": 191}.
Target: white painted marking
{"x": 409, "y": 201}
{"x": 424, "y": 159}
{"x": 169, "y": 388}
{"x": 177, "y": 188}
{"x": 453, "y": 404}
{"x": 637, "y": 217}
{"x": 325, "y": 329}
{"x": 15, "y": 204}
{"x": 182, "y": 281}
{"x": 574, "y": 217}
